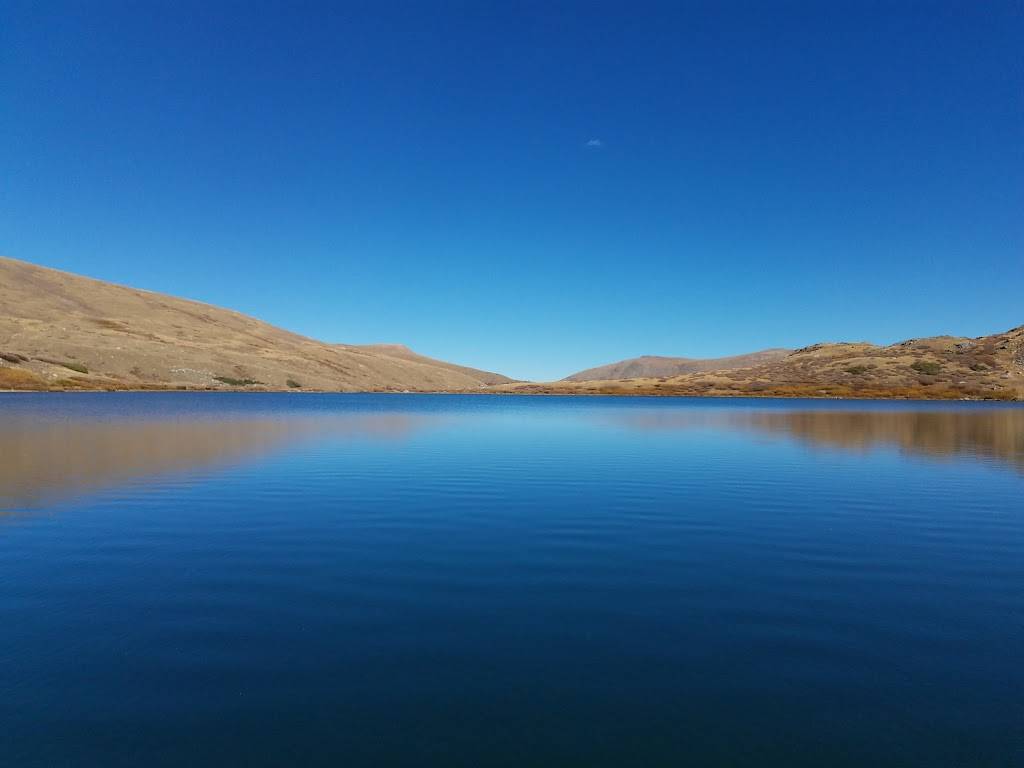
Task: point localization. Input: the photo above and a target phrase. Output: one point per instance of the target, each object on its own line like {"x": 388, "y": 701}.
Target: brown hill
{"x": 942, "y": 367}
{"x": 402, "y": 352}
{"x": 59, "y": 330}
{"x": 654, "y": 366}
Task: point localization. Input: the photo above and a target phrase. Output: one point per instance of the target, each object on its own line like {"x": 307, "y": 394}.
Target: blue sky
{"x": 532, "y": 188}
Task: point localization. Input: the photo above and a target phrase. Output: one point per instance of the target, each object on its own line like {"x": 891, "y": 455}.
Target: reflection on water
{"x": 990, "y": 433}
{"x": 58, "y": 454}
{"x": 49, "y": 458}
{"x": 492, "y": 581}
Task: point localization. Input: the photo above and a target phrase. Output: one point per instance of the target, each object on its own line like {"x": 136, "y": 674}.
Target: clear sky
{"x": 532, "y": 188}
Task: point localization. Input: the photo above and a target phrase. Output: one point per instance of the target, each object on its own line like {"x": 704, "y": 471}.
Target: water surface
{"x": 266, "y": 580}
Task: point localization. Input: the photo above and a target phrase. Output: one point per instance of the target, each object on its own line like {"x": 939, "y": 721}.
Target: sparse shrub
{"x": 293, "y": 384}
{"x": 114, "y": 325}
{"x": 78, "y": 367}
{"x": 856, "y": 370}
{"x": 926, "y": 367}
{"x": 72, "y": 383}
{"x": 17, "y": 378}
{"x": 978, "y": 367}
{"x": 236, "y": 382}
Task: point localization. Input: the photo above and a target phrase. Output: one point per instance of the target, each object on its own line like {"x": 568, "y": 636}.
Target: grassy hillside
{"x": 59, "y": 330}
{"x": 942, "y": 367}
{"x": 654, "y": 366}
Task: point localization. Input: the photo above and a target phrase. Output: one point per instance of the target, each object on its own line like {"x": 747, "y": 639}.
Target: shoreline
{"x": 651, "y": 395}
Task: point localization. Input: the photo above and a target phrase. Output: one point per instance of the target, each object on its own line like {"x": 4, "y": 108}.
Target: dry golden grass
{"x": 18, "y": 378}
{"x": 122, "y": 338}
{"x": 62, "y": 331}
{"x": 940, "y": 368}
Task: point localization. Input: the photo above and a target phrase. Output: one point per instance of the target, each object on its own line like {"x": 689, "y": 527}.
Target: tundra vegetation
{"x": 61, "y": 331}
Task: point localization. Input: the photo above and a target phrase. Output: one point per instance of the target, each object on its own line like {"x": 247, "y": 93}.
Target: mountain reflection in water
{"x": 435, "y": 580}
{"x": 985, "y": 433}
{"x": 54, "y": 456}
{"x": 49, "y": 458}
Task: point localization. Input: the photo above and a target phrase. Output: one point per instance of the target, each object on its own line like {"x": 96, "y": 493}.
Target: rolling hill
{"x": 940, "y": 367}
{"x": 654, "y": 366}
{"x": 64, "y": 331}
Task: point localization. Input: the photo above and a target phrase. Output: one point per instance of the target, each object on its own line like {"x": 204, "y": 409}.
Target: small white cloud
{"x": 595, "y": 143}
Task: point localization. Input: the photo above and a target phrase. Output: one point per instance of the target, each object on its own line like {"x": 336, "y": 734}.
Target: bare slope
{"x": 402, "y": 352}
{"x": 941, "y": 367}
{"x": 63, "y": 330}
{"x": 654, "y": 366}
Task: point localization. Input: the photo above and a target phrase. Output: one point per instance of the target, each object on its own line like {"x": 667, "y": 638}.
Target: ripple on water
{"x": 511, "y": 581}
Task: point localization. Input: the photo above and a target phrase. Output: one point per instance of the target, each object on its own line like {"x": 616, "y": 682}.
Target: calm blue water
{"x": 364, "y": 580}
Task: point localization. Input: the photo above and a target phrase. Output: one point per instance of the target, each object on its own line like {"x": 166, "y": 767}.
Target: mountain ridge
{"x": 648, "y": 366}
{"x": 62, "y": 331}
{"x": 933, "y": 368}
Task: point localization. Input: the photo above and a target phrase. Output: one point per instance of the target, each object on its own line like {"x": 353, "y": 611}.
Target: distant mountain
{"x": 59, "y": 330}
{"x": 654, "y": 366}
{"x": 940, "y": 367}
{"x": 63, "y": 331}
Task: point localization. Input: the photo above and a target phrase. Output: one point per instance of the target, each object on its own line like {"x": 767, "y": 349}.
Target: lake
{"x": 212, "y": 579}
